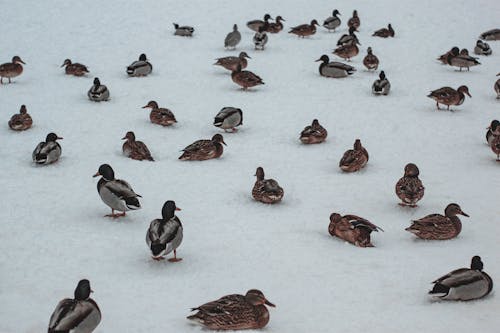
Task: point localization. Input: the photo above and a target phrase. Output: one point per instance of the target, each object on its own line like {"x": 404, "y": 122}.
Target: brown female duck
{"x": 136, "y": 150}
{"x": 409, "y": 188}
{"x": 314, "y": 133}
{"x": 449, "y": 96}
{"x": 75, "y": 69}
{"x": 493, "y": 34}
{"x": 234, "y": 312}
{"x": 443, "y": 58}
{"x": 353, "y": 229}
{"x": 354, "y": 20}
{"x": 354, "y": 159}
{"x": 160, "y": 116}
{"x": 256, "y": 24}
{"x": 11, "y": 69}
{"x": 385, "y": 32}
{"x": 266, "y": 190}
{"x": 245, "y": 79}
{"x": 437, "y": 226}
{"x": 347, "y": 51}
{"x": 304, "y": 30}
{"x": 231, "y": 63}
{"x": 276, "y": 27}
{"x": 204, "y": 149}
{"x": 21, "y": 121}
{"x": 370, "y": 60}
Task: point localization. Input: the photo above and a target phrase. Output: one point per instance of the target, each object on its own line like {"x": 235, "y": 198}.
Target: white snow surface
{"x": 53, "y": 230}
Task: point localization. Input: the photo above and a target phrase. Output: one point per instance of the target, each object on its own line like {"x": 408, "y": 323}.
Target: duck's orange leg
{"x": 175, "y": 259}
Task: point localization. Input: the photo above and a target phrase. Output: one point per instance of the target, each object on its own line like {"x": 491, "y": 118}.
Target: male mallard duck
{"x": 276, "y": 27}
{"x": 370, "y": 60}
{"x": 49, "y": 151}
{"x": 314, "y": 133}
{"x": 332, "y": 22}
{"x": 409, "y": 188}
{"x": 260, "y": 39}
{"x": 482, "y": 48}
{"x": 116, "y": 193}
{"x": 449, "y": 96}
{"x": 354, "y": 159}
{"x": 233, "y": 38}
{"x": 353, "y": 229}
{"x": 136, "y": 150}
{"x": 444, "y": 57}
{"x": 98, "y": 92}
{"x": 229, "y": 118}
{"x": 461, "y": 59}
{"x": 231, "y": 63}
{"x": 141, "y": 67}
{"x": 234, "y": 312}
{"x": 350, "y": 38}
{"x": 160, "y": 116}
{"x": 11, "y": 69}
{"x": 184, "y": 31}
{"x": 165, "y": 235}
{"x": 204, "y": 149}
{"x": 75, "y": 69}
{"x": 21, "y": 121}
{"x": 493, "y": 34}
{"x": 79, "y": 315}
{"x": 437, "y": 226}
{"x": 347, "y": 51}
{"x": 497, "y": 87}
{"x": 304, "y": 30}
{"x": 256, "y": 24}
{"x": 334, "y": 69}
{"x": 382, "y": 86}
{"x": 493, "y": 130}
{"x": 354, "y": 21}
{"x": 266, "y": 190}
{"x": 245, "y": 79}
{"x": 384, "y": 32}
{"x": 463, "y": 284}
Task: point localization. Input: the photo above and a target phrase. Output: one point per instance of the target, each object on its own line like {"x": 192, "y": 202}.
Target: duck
{"x": 463, "y": 284}
{"x": 266, "y": 190}
{"x": 444, "y": 57}
{"x": 229, "y": 118}
{"x": 384, "y": 32}
{"x": 165, "y": 235}
{"x": 75, "y": 69}
{"x": 98, "y": 92}
{"x": 245, "y": 79}
{"x": 160, "y": 116}
{"x": 409, "y": 188}
{"x": 382, "y": 86}
{"x": 354, "y": 159}
{"x": 461, "y": 60}
{"x": 304, "y": 30}
{"x": 353, "y": 229}
{"x": 314, "y": 133}
{"x": 334, "y": 69}
{"x": 277, "y": 26}
{"x": 49, "y": 151}
{"x": 495, "y": 145}
{"x": 493, "y": 130}
{"x": 116, "y": 193}
{"x": 370, "y": 60}
{"x": 256, "y": 24}
{"x": 201, "y": 150}
{"x": 233, "y": 38}
{"x": 184, "y": 31}
{"x": 21, "y": 121}
{"x": 354, "y": 21}
{"x": 11, "y": 69}
{"x": 141, "y": 67}
{"x": 332, "y": 22}
{"x": 347, "y": 51}
{"x": 231, "y": 63}
{"x": 136, "y": 150}
{"x": 493, "y": 34}
{"x": 260, "y": 39}
{"x": 234, "y": 312}
{"x": 496, "y": 87}
{"x": 449, "y": 96}
{"x": 350, "y": 38}
{"x": 437, "y": 226}
{"x": 482, "y": 48}
{"x": 80, "y": 314}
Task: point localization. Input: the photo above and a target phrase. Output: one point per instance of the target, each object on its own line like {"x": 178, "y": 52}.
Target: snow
{"x": 54, "y": 232}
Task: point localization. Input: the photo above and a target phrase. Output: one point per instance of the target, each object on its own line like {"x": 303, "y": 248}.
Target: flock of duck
{"x": 164, "y": 235}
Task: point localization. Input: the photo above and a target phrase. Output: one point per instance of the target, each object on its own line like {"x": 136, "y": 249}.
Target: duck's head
{"x": 106, "y": 172}
{"x": 476, "y": 263}
{"x": 143, "y": 57}
{"x": 464, "y": 52}
{"x": 259, "y": 173}
{"x": 217, "y": 138}
{"x": 357, "y": 144}
{"x": 355, "y": 13}
{"x": 52, "y": 137}
{"x": 493, "y": 126}
{"x": 454, "y": 51}
{"x": 235, "y": 27}
{"x": 97, "y": 82}
{"x": 151, "y": 105}
{"x": 176, "y": 26}
{"x": 256, "y": 297}
{"x": 66, "y": 62}
{"x": 130, "y": 136}
{"x": 82, "y": 291}
{"x": 168, "y": 210}
{"x": 17, "y": 59}
{"x": 464, "y": 90}
{"x": 381, "y": 76}
{"x": 411, "y": 170}
{"x": 335, "y": 12}
{"x": 369, "y": 50}
{"x": 279, "y": 19}
{"x": 23, "y": 110}
{"x": 267, "y": 17}
{"x": 315, "y": 122}
{"x": 454, "y": 209}
{"x": 314, "y": 22}
{"x": 335, "y": 218}
{"x": 324, "y": 58}
{"x": 157, "y": 249}
{"x": 244, "y": 55}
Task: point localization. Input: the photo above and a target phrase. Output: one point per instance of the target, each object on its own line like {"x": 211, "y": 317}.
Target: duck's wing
{"x": 222, "y": 306}
{"x": 68, "y": 314}
{"x": 121, "y": 189}
{"x": 445, "y": 92}
{"x": 141, "y": 150}
{"x": 359, "y": 222}
{"x": 459, "y": 277}
{"x": 199, "y": 145}
{"x": 37, "y": 150}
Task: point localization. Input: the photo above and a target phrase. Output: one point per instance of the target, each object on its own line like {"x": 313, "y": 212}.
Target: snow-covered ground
{"x": 53, "y": 230}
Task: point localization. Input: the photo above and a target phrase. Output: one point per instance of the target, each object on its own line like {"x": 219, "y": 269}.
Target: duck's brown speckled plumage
{"x": 370, "y": 60}
{"x": 347, "y": 51}
{"x": 385, "y": 32}
{"x": 354, "y": 159}
{"x": 245, "y": 79}
{"x": 409, "y": 188}
{"x": 11, "y": 69}
{"x": 160, "y": 116}
{"x": 275, "y": 27}
{"x": 204, "y": 149}
{"x": 75, "y": 69}
{"x": 21, "y": 121}
{"x": 495, "y": 145}
{"x": 136, "y": 150}
{"x": 353, "y": 229}
{"x": 314, "y": 133}
{"x": 266, "y": 190}
{"x": 304, "y": 30}
{"x": 354, "y": 21}
{"x": 449, "y": 96}
{"x": 231, "y": 63}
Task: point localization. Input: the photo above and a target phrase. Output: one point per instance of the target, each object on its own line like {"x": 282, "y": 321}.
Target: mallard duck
{"x": 234, "y": 312}
{"x": 382, "y": 86}
{"x": 256, "y": 24}
{"x": 245, "y": 79}
{"x": 116, "y": 193}
{"x": 449, "y": 96}
{"x": 497, "y": 87}
{"x": 21, "y": 121}
{"x": 266, "y": 190}
{"x": 461, "y": 59}
{"x": 384, "y": 32}
{"x": 204, "y": 149}
{"x": 334, "y": 69}
{"x": 463, "y": 284}
{"x": 354, "y": 159}
{"x": 353, "y": 229}
{"x": 233, "y": 38}
{"x": 79, "y": 315}
{"x": 482, "y": 48}
{"x": 444, "y": 57}
{"x": 11, "y": 69}
{"x": 231, "y": 63}
{"x": 314, "y": 133}
{"x": 409, "y": 188}
{"x": 260, "y": 39}
{"x": 49, "y": 151}
{"x": 354, "y": 21}
{"x": 165, "y": 235}
{"x": 98, "y": 92}
{"x": 75, "y": 69}
{"x": 350, "y": 38}
{"x": 136, "y": 150}
{"x": 437, "y": 226}
{"x": 141, "y": 67}
{"x": 160, "y": 116}
{"x": 276, "y": 27}
{"x": 370, "y": 60}
{"x": 493, "y": 34}
{"x": 332, "y": 22}
{"x": 493, "y": 129}
{"x": 229, "y": 118}
{"x": 184, "y": 31}
{"x": 347, "y": 51}
{"x": 495, "y": 145}
{"x": 304, "y": 30}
